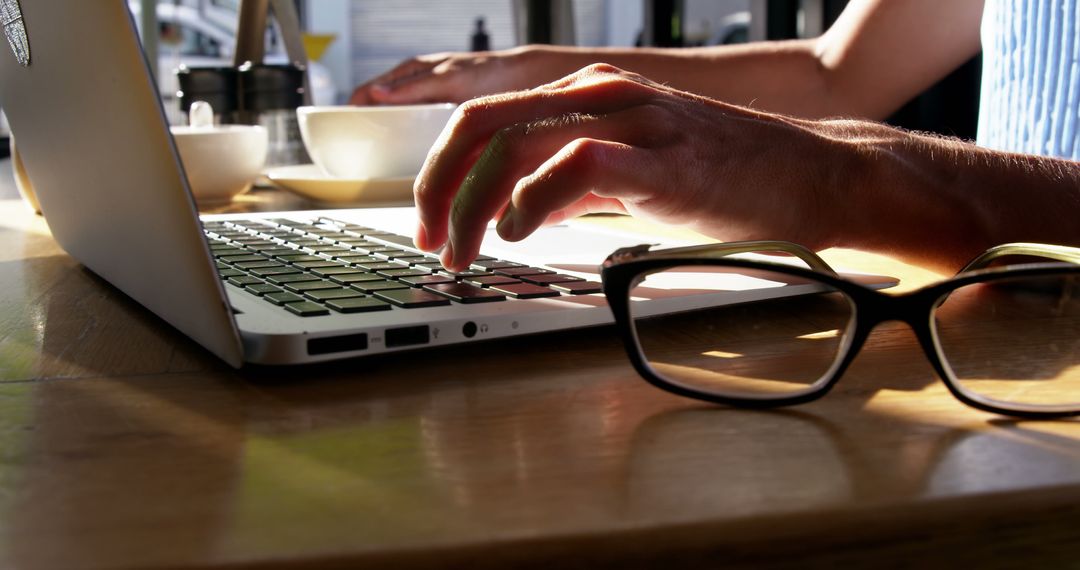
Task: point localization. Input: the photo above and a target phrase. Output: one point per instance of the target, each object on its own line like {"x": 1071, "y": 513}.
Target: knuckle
{"x": 626, "y": 83}
{"x": 584, "y": 155}
{"x": 653, "y": 112}
{"x": 468, "y": 111}
{"x": 602, "y": 69}
{"x": 467, "y": 117}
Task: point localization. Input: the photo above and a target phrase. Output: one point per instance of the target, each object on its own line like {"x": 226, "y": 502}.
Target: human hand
{"x": 603, "y": 139}
{"x": 455, "y": 77}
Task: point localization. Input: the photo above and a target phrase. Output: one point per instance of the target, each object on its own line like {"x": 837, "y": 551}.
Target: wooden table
{"x": 123, "y": 444}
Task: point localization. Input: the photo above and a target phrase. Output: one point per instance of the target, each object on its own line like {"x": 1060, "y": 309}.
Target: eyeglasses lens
{"x": 1014, "y": 340}
{"x": 765, "y": 349}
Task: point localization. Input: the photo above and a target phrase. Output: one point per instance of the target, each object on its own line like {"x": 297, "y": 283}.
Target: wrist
{"x": 908, "y": 197}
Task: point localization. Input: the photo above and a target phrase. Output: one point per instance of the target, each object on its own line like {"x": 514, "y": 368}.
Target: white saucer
{"x": 311, "y": 182}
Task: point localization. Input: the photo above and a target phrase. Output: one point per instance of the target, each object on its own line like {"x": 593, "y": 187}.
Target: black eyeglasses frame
{"x": 871, "y": 307}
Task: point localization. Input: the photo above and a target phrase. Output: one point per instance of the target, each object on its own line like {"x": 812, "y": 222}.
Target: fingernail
{"x": 448, "y": 256}
{"x": 420, "y": 239}
{"x": 507, "y": 226}
{"x": 381, "y": 88}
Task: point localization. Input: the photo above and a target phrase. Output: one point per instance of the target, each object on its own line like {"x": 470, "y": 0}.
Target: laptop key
{"x": 234, "y": 259}
{"x": 244, "y": 280}
{"x": 223, "y": 251}
{"x": 380, "y": 285}
{"x": 495, "y": 264}
{"x": 278, "y": 270}
{"x": 412, "y": 298}
{"x": 258, "y": 264}
{"x": 331, "y": 249}
{"x": 356, "y": 242}
{"x": 379, "y": 248}
{"x": 549, "y": 278}
{"x": 465, "y": 293}
{"x": 468, "y": 273}
{"x": 307, "y": 309}
{"x": 291, "y": 278}
{"x": 578, "y": 287}
{"x": 356, "y": 259}
{"x": 325, "y": 233}
{"x": 432, "y": 265}
{"x": 262, "y": 289}
{"x": 282, "y": 297}
{"x": 335, "y": 270}
{"x": 381, "y": 266}
{"x": 316, "y": 264}
{"x": 519, "y": 271}
{"x": 327, "y": 294}
{"x": 257, "y": 243}
{"x": 403, "y": 272}
{"x": 395, "y": 239}
{"x": 391, "y": 253}
{"x": 421, "y": 280}
{"x": 227, "y": 273}
{"x": 415, "y": 259}
{"x": 525, "y": 291}
{"x": 278, "y": 250}
{"x": 304, "y": 286}
{"x": 350, "y": 278}
{"x": 358, "y": 305}
{"x": 296, "y": 257}
{"x": 489, "y": 280}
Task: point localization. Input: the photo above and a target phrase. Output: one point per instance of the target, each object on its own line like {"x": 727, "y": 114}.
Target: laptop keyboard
{"x": 325, "y": 266}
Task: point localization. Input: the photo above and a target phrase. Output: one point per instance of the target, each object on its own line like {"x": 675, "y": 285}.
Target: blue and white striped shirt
{"x": 1030, "y": 100}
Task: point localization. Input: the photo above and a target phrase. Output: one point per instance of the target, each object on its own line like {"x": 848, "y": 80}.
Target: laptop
{"x": 96, "y": 145}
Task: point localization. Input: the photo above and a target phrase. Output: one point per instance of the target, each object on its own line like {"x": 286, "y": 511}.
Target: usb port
{"x": 332, "y": 344}
{"x": 408, "y": 336}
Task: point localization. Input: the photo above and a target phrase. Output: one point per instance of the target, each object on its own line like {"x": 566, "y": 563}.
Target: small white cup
{"x": 365, "y": 143}
{"x": 221, "y": 161}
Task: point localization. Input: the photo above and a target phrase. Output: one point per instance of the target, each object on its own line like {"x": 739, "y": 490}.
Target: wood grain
{"x": 123, "y": 444}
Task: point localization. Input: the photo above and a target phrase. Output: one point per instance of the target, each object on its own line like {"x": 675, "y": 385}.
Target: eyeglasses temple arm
{"x": 1047, "y": 251}
{"x": 733, "y": 248}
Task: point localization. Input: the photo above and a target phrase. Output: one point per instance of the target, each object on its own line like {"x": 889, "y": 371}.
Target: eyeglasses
{"x": 1005, "y": 339}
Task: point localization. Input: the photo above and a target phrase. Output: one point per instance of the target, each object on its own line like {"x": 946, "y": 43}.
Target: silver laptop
{"x": 96, "y": 145}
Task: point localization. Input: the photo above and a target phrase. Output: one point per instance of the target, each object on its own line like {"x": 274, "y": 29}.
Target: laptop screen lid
{"x": 95, "y": 143}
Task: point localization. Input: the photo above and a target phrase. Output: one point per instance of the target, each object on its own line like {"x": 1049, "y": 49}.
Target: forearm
{"x": 940, "y": 202}
{"x": 780, "y": 77}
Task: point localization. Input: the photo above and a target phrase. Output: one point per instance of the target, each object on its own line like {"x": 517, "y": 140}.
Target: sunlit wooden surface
{"x": 124, "y": 445}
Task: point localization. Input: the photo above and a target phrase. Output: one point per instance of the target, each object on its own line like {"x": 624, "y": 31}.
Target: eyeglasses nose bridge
{"x": 879, "y": 307}
{"x": 914, "y": 309}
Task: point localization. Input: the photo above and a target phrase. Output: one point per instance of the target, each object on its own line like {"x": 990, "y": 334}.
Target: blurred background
{"x": 350, "y": 41}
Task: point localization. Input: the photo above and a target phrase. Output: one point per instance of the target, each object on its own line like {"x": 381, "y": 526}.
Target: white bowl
{"x": 371, "y": 142}
{"x": 221, "y": 161}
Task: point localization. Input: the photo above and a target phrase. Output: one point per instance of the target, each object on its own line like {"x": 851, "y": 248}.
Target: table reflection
{"x": 124, "y": 443}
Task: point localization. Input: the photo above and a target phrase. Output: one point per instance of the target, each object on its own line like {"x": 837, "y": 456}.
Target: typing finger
{"x": 586, "y": 175}
{"x": 517, "y": 151}
{"x": 512, "y": 154}
{"x": 474, "y": 124}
